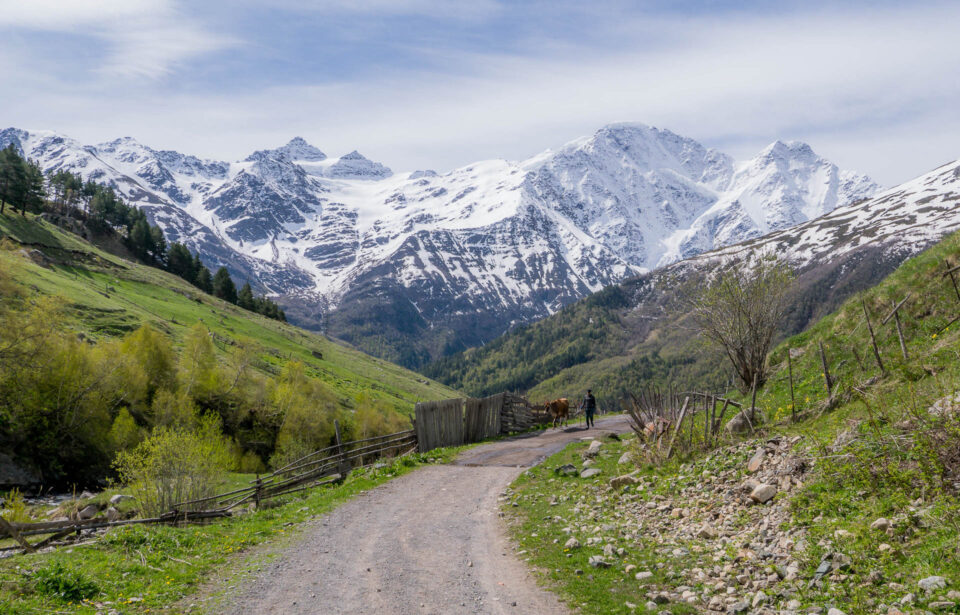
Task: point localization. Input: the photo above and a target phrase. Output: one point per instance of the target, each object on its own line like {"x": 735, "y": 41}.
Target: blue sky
{"x": 437, "y": 84}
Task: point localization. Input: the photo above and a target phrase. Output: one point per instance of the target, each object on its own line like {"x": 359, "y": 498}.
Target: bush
{"x": 174, "y": 410}
{"x": 250, "y": 463}
{"x": 124, "y": 434}
{"x": 176, "y": 465}
{"x": 64, "y": 583}
{"x": 14, "y": 508}
{"x": 308, "y": 409}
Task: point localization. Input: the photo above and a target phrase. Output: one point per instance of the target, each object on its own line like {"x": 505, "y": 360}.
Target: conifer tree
{"x": 204, "y": 281}
{"x": 223, "y": 286}
{"x": 245, "y": 298}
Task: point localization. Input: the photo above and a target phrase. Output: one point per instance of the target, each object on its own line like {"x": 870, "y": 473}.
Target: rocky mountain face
{"x": 412, "y": 266}
{"x": 634, "y": 332}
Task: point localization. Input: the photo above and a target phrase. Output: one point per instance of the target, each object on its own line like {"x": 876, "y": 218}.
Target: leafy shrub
{"x": 175, "y": 465}
{"x": 124, "y": 434}
{"x": 14, "y": 508}
{"x": 64, "y": 583}
{"x": 250, "y": 463}
{"x": 308, "y": 409}
{"x": 175, "y": 410}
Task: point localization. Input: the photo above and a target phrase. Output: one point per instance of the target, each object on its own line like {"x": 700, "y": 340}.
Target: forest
{"x": 100, "y": 208}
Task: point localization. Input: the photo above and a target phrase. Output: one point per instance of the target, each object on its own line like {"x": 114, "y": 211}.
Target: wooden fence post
{"x": 793, "y": 402}
{"x": 826, "y": 371}
{"x": 895, "y": 314}
{"x": 343, "y": 466}
{"x": 903, "y": 344}
{"x": 953, "y": 279}
{"x": 256, "y": 496}
{"x": 873, "y": 339}
{"x": 9, "y": 529}
{"x": 676, "y": 430}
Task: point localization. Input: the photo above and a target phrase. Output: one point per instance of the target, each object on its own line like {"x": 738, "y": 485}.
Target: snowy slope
{"x": 469, "y": 252}
{"x": 893, "y": 225}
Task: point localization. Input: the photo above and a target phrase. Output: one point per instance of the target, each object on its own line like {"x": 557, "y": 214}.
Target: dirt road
{"x": 428, "y": 542}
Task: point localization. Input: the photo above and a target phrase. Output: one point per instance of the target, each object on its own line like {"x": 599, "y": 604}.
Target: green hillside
{"x": 105, "y": 298}
{"x": 863, "y": 485}
{"x": 637, "y": 333}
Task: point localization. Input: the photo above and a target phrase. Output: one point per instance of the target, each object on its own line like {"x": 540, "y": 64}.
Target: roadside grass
{"x": 149, "y": 569}
{"x": 541, "y": 505}
{"x": 107, "y": 296}
{"x": 876, "y": 450}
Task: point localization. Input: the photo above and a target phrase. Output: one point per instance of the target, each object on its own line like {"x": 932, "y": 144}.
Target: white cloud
{"x": 143, "y": 38}
{"x": 874, "y": 90}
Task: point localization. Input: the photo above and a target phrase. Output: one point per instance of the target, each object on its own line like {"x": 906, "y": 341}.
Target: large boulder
{"x": 739, "y": 423}
{"x": 593, "y": 450}
{"x": 622, "y": 481}
{"x": 14, "y": 474}
{"x": 88, "y": 512}
{"x": 763, "y": 493}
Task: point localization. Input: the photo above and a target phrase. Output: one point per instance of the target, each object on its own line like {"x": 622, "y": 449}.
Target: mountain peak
{"x": 791, "y": 149}
{"x": 299, "y": 149}
{"x": 357, "y": 166}
{"x": 296, "y": 149}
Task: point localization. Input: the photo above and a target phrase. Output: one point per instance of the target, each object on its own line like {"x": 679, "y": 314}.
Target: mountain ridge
{"x": 634, "y": 333}
{"x": 460, "y": 256}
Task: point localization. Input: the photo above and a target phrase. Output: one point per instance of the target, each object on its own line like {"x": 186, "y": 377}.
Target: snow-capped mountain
{"x": 891, "y": 226}
{"x": 415, "y": 265}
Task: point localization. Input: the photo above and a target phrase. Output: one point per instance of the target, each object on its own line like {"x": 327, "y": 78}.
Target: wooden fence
{"x": 328, "y": 465}
{"x": 658, "y": 417}
{"x": 452, "y": 422}
{"x": 448, "y": 422}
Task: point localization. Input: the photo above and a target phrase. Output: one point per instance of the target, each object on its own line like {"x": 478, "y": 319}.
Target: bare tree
{"x": 741, "y": 312}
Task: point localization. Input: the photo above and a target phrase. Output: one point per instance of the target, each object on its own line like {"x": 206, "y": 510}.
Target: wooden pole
{"x": 955, "y": 288}
{"x": 706, "y": 420}
{"x": 793, "y": 402}
{"x": 713, "y": 416}
{"x": 336, "y": 429}
{"x": 719, "y": 421}
{"x": 903, "y": 344}
{"x": 953, "y": 279}
{"x": 12, "y": 531}
{"x": 826, "y": 371}
{"x": 753, "y": 400}
{"x": 873, "y": 339}
{"x": 676, "y": 429}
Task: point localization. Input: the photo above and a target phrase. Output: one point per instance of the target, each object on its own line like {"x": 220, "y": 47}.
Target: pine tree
{"x": 180, "y": 262}
{"x": 140, "y": 239}
{"x": 245, "y": 298}
{"x": 204, "y": 280}
{"x": 10, "y": 170}
{"x": 223, "y": 286}
{"x": 159, "y": 244}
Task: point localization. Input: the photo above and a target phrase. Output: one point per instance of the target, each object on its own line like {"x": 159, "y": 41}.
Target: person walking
{"x": 589, "y": 407}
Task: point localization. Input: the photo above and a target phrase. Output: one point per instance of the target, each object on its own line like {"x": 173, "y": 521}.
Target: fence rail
{"x": 447, "y": 422}
{"x": 328, "y": 465}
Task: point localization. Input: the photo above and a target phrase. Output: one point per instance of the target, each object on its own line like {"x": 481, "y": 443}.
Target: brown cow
{"x": 559, "y": 409}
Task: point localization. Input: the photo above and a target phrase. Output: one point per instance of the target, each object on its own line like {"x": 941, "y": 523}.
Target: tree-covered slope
{"x": 59, "y": 289}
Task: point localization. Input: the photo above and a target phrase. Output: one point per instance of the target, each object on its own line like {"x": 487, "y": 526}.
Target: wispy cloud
{"x": 872, "y": 89}
{"x": 141, "y": 38}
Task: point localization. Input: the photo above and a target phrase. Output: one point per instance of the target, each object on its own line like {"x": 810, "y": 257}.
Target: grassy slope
{"x": 638, "y": 333}
{"x": 888, "y": 467}
{"x": 140, "y": 569}
{"x": 110, "y": 296}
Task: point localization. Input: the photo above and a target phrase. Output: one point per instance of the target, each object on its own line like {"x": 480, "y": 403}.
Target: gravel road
{"x": 428, "y": 542}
